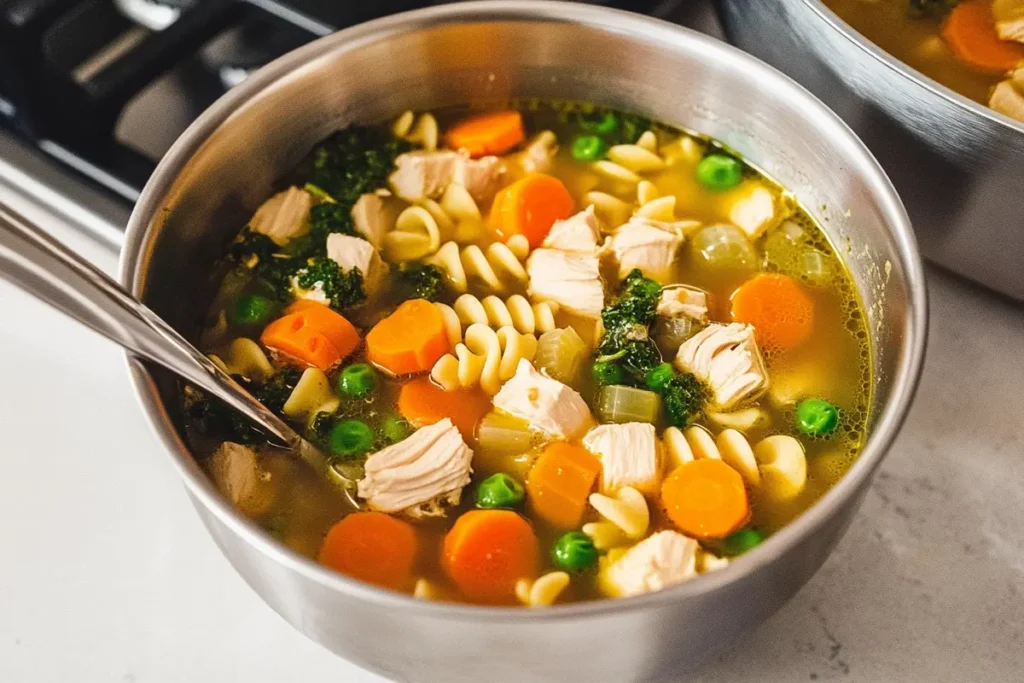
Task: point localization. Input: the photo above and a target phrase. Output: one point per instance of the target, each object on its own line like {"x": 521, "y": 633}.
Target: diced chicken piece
{"x": 1008, "y": 98}
{"x": 1009, "y": 16}
{"x": 314, "y": 293}
{"x": 578, "y": 233}
{"x": 373, "y": 217}
{"x": 238, "y": 475}
{"x": 573, "y": 280}
{"x": 727, "y": 358}
{"x": 751, "y": 208}
{"x": 354, "y": 252}
{"x": 545, "y": 403}
{"x": 539, "y": 153}
{"x": 630, "y": 456}
{"x": 283, "y": 216}
{"x": 652, "y": 246}
{"x": 683, "y": 302}
{"x": 661, "y": 560}
{"x": 419, "y": 175}
{"x": 421, "y": 475}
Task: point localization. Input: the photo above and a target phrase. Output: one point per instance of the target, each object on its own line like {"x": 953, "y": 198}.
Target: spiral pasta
{"x": 485, "y": 358}
{"x": 312, "y": 395}
{"x": 625, "y": 517}
{"x": 544, "y": 591}
{"x": 244, "y": 357}
{"x": 515, "y": 311}
{"x": 494, "y": 268}
{"x": 420, "y": 129}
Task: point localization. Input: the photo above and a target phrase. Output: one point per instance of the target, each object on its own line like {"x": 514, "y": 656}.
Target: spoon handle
{"x": 45, "y": 268}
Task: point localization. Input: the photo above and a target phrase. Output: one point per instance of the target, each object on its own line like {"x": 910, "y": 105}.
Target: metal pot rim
{"x": 909, "y": 72}
{"x": 138, "y": 245}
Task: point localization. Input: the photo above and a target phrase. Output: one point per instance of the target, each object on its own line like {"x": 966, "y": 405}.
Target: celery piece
{"x": 560, "y": 353}
{"x": 504, "y": 434}
{"x": 619, "y": 403}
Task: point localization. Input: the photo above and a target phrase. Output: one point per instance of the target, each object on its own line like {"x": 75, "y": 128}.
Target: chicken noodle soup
{"x": 564, "y": 352}
{"x": 975, "y": 47}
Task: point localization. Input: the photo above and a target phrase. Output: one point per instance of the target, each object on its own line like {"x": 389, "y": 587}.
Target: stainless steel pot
{"x": 958, "y": 165}
{"x": 231, "y": 158}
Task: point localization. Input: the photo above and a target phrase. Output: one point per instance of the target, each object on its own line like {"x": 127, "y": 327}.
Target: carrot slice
{"x": 706, "y": 499}
{"x": 530, "y": 206}
{"x": 780, "y": 311}
{"x": 313, "y": 334}
{"x": 409, "y": 340}
{"x": 372, "y": 547}
{"x": 488, "y": 133}
{"x": 487, "y": 552}
{"x": 560, "y": 482}
{"x": 423, "y": 403}
{"x": 970, "y": 32}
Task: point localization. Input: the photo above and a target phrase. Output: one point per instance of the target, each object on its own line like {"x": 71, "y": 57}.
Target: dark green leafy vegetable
{"x": 275, "y": 392}
{"x": 343, "y": 289}
{"x": 327, "y": 218}
{"x": 213, "y": 417}
{"x": 574, "y": 552}
{"x": 420, "y": 281}
{"x": 349, "y": 439}
{"x": 683, "y": 397}
{"x": 499, "y": 491}
{"x": 354, "y": 161}
{"x": 626, "y": 340}
{"x": 816, "y": 417}
{"x": 357, "y": 380}
{"x": 319, "y": 428}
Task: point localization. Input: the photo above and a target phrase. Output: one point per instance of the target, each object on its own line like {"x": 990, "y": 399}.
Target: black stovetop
{"x": 105, "y": 86}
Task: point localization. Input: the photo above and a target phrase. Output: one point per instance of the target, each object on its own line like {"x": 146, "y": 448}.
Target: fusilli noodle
{"x": 625, "y": 511}
{"x": 499, "y": 264}
{"x": 485, "y": 357}
{"x": 420, "y": 129}
{"x": 515, "y": 311}
{"x": 311, "y": 395}
{"x": 544, "y": 591}
{"x": 244, "y": 357}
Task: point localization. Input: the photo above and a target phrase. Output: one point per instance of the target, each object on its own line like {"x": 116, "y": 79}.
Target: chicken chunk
{"x": 578, "y": 233}
{"x": 629, "y": 454}
{"x": 237, "y": 473}
{"x": 1008, "y": 96}
{"x": 683, "y": 302}
{"x": 373, "y": 218}
{"x": 652, "y": 246}
{"x": 661, "y": 560}
{"x": 283, "y": 216}
{"x": 547, "y": 404}
{"x": 573, "y": 280}
{"x": 539, "y": 153}
{"x": 727, "y": 358}
{"x": 421, "y": 475}
{"x": 1009, "y": 16}
{"x": 419, "y": 175}
{"x": 751, "y": 208}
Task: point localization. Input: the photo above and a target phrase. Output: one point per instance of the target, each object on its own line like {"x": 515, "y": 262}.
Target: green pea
{"x": 742, "y": 541}
{"x": 395, "y": 429}
{"x": 606, "y": 373}
{"x": 349, "y": 439}
{"x": 588, "y": 148}
{"x": 357, "y": 380}
{"x": 602, "y": 123}
{"x": 659, "y": 376}
{"x": 816, "y": 417}
{"x": 719, "y": 172}
{"x": 251, "y": 309}
{"x": 499, "y": 491}
{"x": 574, "y": 552}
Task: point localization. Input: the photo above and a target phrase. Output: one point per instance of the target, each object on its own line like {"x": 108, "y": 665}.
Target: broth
{"x": 831, "y": 362}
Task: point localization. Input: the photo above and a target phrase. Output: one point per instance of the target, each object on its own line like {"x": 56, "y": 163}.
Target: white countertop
{"x": 106, "y": 574}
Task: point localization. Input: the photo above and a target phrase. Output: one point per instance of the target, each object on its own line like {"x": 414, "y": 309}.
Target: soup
{"x": 564, "y": 353}
{"x": 975, "y": 47}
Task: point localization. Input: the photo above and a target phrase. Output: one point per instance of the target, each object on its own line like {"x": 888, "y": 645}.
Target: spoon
{"x": 48, "y": 270}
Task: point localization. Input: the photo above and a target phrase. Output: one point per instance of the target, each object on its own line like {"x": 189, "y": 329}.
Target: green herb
{"x": 626, "y": 340}
{"x": 344, "y": 289}
{"x": 683, "y": 397}
{"x": 420, "y": 281}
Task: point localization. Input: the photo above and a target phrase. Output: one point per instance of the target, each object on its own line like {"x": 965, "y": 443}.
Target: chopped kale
{"x": 344, "y": 289}
{"x": 275, "y": 392}
{"x": 683, "y": 397}
{"x": 318, "y": 428}
{"x": 251, "y": 248}
{"x": 327, "y": 218}
{"x": 626, "y": 339}
{"x": 420, "y": 281}
{"x": 354, "y": 161}
{"x": 212, "y": 417}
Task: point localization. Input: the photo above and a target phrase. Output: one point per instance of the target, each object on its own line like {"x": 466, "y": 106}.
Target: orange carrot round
{"x": 487, "y": 552}
{"x": 410, "y": 340}
{"x": 494, "y": 133}
{"x": 312, "y": 333}
{"x": 530, "y": 206}
{"x": 970, "y": 32}
{"x": 780, "y": 311}
{"x": 372, "y": 547}
{"x": 705, "y": 499}
{"x": 560, "y": 482}
{"x": 423, "y": 403}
